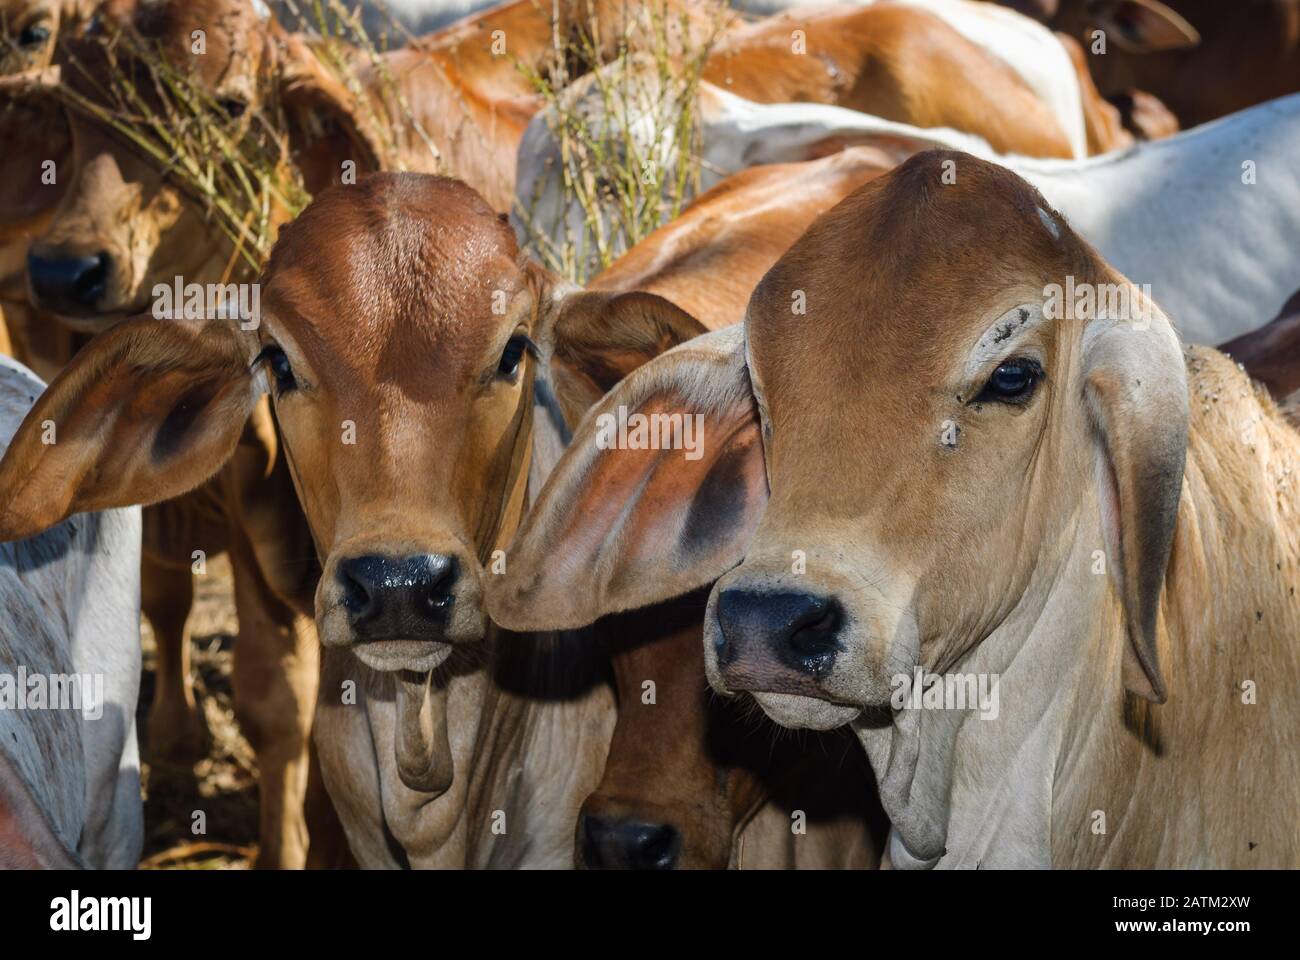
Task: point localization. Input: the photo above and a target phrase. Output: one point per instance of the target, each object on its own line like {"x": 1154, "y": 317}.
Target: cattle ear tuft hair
{"x": 1135, "y": 389}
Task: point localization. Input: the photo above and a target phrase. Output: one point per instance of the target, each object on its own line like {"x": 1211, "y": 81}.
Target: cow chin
{"x": 805, "y": 713}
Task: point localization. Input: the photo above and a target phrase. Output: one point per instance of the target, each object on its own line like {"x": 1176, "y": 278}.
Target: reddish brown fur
{"x": 1271, "y": 354}
{"x": 899, "y": 63}
{"x": 708, "y": 260}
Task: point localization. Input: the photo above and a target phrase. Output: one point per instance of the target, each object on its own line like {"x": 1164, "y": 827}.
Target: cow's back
{"x": 71, "y": 607}
{"x": 1208, "y": 218}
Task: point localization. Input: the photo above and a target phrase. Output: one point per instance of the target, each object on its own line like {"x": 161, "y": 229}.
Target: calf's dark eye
{"x": 278, "y": 364}
{"x": 513, "y": 355}
{"x": 234, "y": 107}
{"x": 1012, "y": 382}
{"x": 34, "y": 35}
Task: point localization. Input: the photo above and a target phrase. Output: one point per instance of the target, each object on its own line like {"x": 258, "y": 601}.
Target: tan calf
{"x": 931, "y": 472}
{"x": 401, "y": 340}
{"x": 92, "y": 263}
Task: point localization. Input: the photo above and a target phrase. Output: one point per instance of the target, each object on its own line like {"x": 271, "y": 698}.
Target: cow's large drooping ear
{"x": 1135, "y": 388}
{"x": 594, "y": 339}
{"x": 148, "y": 410}
{"x": 1143, "y": 26}
{"x": 659, "y": 493}
{"x": 327, "y": 123}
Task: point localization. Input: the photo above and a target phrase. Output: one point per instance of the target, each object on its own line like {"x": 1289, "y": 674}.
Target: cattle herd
{"x": 921, "y": 490}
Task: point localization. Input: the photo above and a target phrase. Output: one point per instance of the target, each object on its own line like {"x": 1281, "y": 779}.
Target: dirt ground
{"x": 223, "y": 784}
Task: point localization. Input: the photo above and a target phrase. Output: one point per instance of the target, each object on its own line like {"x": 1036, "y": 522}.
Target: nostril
{"x": 801, "y": 630}
{"x": 397, "y": 595}
{"x": 629, "y": 844}
{"x": 658, "y": 848}
{"x": 69, "y": 283}
{"x": 89, "y": 283}
{"x": 442, "y": 575}
{"x": 355, "y": 577}
{"x": 813, "y": 633}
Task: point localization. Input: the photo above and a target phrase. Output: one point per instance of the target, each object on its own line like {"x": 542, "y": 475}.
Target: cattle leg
{"x": 176, "y": 733}
{"x": 275, "y": 680}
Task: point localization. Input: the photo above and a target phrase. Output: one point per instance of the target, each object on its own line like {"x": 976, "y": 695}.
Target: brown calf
{"x": 399, "y": 319}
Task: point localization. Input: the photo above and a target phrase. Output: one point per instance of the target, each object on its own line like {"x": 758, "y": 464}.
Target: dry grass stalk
{"x": 239, "y": 167}
{"x": 625, "y": 188}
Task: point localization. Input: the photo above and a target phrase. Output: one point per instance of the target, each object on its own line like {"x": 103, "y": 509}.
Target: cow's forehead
{"x": 396, "y": 266}
{"x": 910, "y": 265}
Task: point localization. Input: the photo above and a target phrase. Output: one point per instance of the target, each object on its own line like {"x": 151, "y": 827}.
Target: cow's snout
{"x": 400, "y": 605}
{"x": 398, "y": 598}
{"x": 780, "y": 642}
{"x": 69, "y": 285}
{"x": 628, "y": 844}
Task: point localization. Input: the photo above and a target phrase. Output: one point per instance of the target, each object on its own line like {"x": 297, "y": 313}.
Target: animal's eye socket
{"x": 1013, "y": 381}
{"x": 278, "y": 364}
{"x": 513, "y": 354}
{"x": 34, "y": 35}
{"x": 233, "y": 106}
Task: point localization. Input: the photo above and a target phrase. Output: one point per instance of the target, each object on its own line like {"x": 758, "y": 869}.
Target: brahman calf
{"x": 423, "y": 377}
{"x": 69, "y": 677}
{"x": 120, "y": 228}
{"x": 942, "y": 488}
